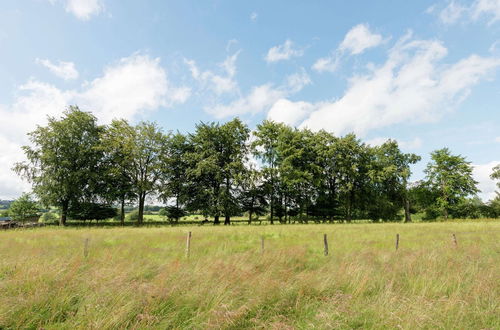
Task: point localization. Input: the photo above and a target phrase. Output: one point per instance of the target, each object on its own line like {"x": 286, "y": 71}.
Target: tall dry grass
{"x": 140, "y": 277}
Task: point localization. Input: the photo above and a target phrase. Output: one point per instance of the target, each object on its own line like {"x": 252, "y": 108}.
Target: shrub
{"x": 133, "y": 216}
{"x": 49, "y": 218}
{"x": 23, "y": 208}
{"x": 91, "y": 211}
{"x": 173, "y": 213}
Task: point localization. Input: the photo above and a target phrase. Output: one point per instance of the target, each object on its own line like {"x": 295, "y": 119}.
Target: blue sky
{"x": 425, "y": 73}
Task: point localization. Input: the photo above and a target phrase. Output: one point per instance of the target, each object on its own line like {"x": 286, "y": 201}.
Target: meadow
{"x": 142, "y": 278}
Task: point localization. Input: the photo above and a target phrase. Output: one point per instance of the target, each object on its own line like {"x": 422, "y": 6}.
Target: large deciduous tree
{"x": 390, "y": 174}
{"x": 134, "y": 156}
{"x": 451, "y": 176}
{"x": 63, "y": 160}
{"x": 173, "y": 181}
{"x": 353, "y": 166}
{"x": 147, "y": 145}
{"x": 217, "y": 160}
{"x": 117, "y": 144}
{"x": 268, "y": 136}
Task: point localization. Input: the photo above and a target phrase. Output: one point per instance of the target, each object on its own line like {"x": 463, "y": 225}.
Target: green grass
{"x": 140, "y": 277}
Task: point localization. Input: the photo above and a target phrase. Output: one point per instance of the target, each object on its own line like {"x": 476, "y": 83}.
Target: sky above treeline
{"x": 425, "y": 73}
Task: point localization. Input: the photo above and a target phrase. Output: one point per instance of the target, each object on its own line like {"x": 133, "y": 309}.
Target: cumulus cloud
{"x": 260, "y": 98}
{"x": 283, "y": 52}
{"x": 254, "y": 16}
{"x": 64, "y": 70}
{"x": 126, "y": 89}
{"x": 289, "y": 113}
{"x": 327, "y": 64}
{"x": 355, "y": 42}
{"x": 411, "y": 86}
{"x": 455, "y": 11}
{"x": 360, "y": 38}
{"x": 218, "y": 83}
{"x": 129, "y": 87}
{"x": 413, "y": 144}
{"x": 482, "y": 174}
{"x": 82, "y": 9}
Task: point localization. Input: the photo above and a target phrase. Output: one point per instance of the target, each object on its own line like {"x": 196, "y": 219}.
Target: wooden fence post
{"x": 455, "y": 240}
{"x": 397, "y": 241}
{"x": 86, "y": 248}
{"x": 188, "y": 244}
{"x": 325, "y": 244}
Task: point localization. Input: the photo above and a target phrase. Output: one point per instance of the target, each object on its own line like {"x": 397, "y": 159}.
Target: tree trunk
{"x": 271, "y": 200}
{"x": 286, "y": 209}
{"x": 271, "y": 204}
{"x": 407, "y": 209}
{"x": 64, "y": 213}
{"x": 216, "y": 220}
{"x": 122, "y": 212}
{"x": 445, "y": 198}
{"x": 140, "y": 217}
{"x": 349, "y": 206}
{"x": 250, "y": 211}
{"x": 227, "y": 206}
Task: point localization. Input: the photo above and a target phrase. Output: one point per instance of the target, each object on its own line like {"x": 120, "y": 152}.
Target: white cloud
{"x": 126, "y": 89}
{"x": 261, "y": 98}
{"x": 297, "y": 81}
{"x": 494, "y": 47}
{"x": 411, "y": 86}
{"x": 497, "y": 139}
{"x": 230, "y": 43}
{"x": 360, "y": 38}
{"x": 452, "y": 13}
{"x": 355, "y": 42}
{"x": 489, "y": 8}
{"x": 254, "y": 16}
{"x": 283, "y": 52}
{"x": 10, "y": 185}
{"x": 220, "y": 84}
{"x": 64, "y": 70}
{"x": 377, "y": 141}
{"x": 287, "y": 112}
{"x": 455, "y": 11}
{"x": 327, "y": 64}
{"x": 482, "y": 174}
{"x": 82, "y": 9}
{"x": 416, "y": 143}
{"x": 129, "y": 87}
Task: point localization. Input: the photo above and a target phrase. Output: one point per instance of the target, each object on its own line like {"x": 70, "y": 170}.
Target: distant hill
{"x": 5, "y": 204}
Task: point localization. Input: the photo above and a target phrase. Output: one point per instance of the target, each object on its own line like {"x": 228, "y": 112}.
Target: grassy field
{"x": 140, "y": 277}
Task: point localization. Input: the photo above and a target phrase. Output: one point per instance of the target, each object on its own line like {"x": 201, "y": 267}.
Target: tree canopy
{"x": 63, "y": 163}
{"x": 451, "y": 177}
{"x": 224, "y": 170}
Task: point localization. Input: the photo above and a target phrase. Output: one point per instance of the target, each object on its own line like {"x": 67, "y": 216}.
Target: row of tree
{"x": 223, "y": 170}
